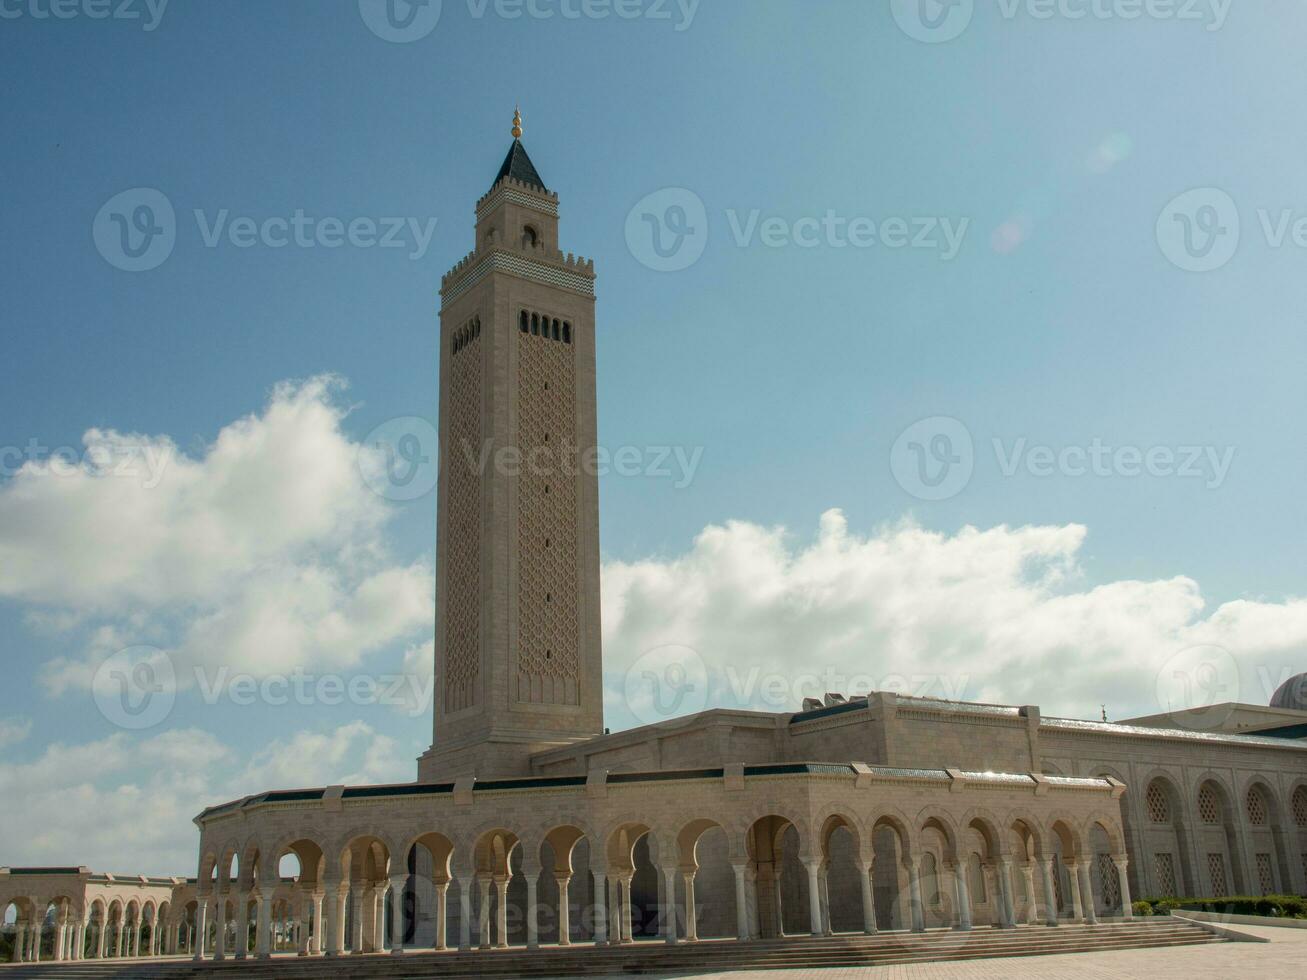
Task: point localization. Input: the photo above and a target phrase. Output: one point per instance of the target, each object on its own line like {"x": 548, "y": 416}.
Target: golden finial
{"x": 517, "y": 123}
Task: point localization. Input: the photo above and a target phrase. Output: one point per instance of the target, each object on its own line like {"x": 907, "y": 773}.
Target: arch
{"x": 1065, "y": 833}
{"x": 530, "y": 237}
{"x": 311, "y": 857}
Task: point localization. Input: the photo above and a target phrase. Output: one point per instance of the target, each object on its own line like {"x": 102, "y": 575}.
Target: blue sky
{"x": 1063, "y": 320}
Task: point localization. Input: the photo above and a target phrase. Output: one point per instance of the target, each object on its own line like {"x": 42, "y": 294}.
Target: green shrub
{"x": 1141, "y": 908}
{"x": 1285, "y": 906}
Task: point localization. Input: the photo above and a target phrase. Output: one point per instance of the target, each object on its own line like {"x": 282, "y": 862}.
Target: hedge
{"x": 1278, "y": 906}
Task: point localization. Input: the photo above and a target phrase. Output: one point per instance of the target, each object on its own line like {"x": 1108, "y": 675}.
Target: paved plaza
{"x": 1283, "y": 958}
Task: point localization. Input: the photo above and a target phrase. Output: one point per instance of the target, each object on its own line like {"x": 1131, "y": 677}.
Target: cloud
{"x": 125, "y": 804}
{"x": 263, "y": 552}
{"x": 995, "y": 615}
{"x": 14, "y": 731}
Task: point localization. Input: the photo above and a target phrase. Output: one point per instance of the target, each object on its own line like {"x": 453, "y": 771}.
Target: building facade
{"x": 529, "y": 824}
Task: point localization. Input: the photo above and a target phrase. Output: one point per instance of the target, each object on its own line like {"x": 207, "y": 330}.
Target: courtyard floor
{"x": 1283, "y": 958}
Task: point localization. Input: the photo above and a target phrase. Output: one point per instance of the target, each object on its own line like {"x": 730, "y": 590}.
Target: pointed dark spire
{"x": 519, "y": 166}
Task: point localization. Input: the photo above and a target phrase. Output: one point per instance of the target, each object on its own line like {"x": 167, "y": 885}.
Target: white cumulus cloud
{"x": 263, "y": 552}
{"x": 1000, "y": 615}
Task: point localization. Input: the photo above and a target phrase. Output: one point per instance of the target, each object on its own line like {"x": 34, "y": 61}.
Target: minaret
{"x": 517, "y": 560}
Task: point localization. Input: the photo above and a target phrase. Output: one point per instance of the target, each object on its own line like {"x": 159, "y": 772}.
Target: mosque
{"x": 529, "y": 825}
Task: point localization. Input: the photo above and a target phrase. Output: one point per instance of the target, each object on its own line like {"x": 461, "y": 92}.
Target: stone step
{"x": 653, "y": 957}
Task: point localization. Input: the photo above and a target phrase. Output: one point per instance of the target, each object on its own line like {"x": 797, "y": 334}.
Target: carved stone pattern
{"x": 1208, "y": 811}
{"x": 1256, "y": 807}
{"x": 1216, "y": 871}
{"x": 548, "y": 655}
{"x": 463, "y": 574}
{"x": 1158, "y": 810}
{"x": 1300, "y": 806}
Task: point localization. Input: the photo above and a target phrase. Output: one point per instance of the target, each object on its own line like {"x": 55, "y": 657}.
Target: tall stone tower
{"x": 517, "y": 561}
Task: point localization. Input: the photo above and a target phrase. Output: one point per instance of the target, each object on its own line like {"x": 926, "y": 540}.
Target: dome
{"x": 1291, "y": 694}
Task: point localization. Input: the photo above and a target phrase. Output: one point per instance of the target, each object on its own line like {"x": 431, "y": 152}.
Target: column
{"x": 963, "y": 892}
{"x": 616, "y": 932}
{"x": 305, "y": 944}
{"x": 1050, "y": 893}
{"x": 814, "y": 897}
{"x": 532, "y": 917}
{"x": 379, "y": 919}
{"x": 156, "y": 937}
{"x": 601, "y": 908}
{"x": 1087, "y": 894}
{"x": 914, "y": 897}
{"x": 627, "y": 936}
{"x": 398, "y": 884}
{"x": 356, "y": 933}
{"x": 201, "y": 929}
{"x": 1077, "y": 904}
{"x": 220, "y": 921}
{"x": 483, "y": 936}
{"x": 319, "y": 926}
{"x": 741, "y": 905}
{"x": 20, "y": 943}
{"x": 826, "y": 929}
{"x": 501, "y": 919}
{"x": 60, "y": 936}
{"x": 38, "y": 927}
{"x": 868, "y": 899}
{"x": 263, "y": 930}
{"x": 442, "y": 914}
{"x": 1122, "y": 867}
{"x": 1032, "y": 912}
{"x": 755, "y": 908}
{"x": 335, "y": 919}
{"x": 691, "y": 913}
{"x": 777, "y": 905}
{"x": 564, "y": 882}
{"x": 669, "y": 910}
{"x": 465, "y": 919}
{"x": 242, "y": 949}
{"x": 1006, "y": 905}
